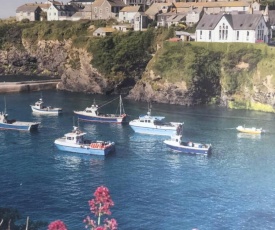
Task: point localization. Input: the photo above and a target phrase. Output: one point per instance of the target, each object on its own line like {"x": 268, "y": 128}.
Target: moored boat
{"x": 74, "y": 141}
{"x": 251, "y": 130}
{"x": 154, "y": 125}
{"x": 12, "y": 124}
{"x": 92, "y": 114}
{"x": 176, "y": 144}
{"x": 39, "y": 107}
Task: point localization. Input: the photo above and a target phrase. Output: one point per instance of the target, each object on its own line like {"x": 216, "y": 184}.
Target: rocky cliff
{"x": 176, "y": 74}
{"x": 54, "y": 58}
{"x": 242, "y": 79}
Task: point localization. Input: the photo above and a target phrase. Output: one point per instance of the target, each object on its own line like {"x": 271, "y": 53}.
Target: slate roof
{"x": 130, "y": 9}
{"x": 116, "y": 3}
{"x": 98, "y": 3}
{"x": 27, "y": 8}
{"x": 210, "y": 4}
{"x": 65, "y": 8}
{"x": 156, "y": 7}
{"x": 237, "y": 21}
{"x": 176, "y": 18}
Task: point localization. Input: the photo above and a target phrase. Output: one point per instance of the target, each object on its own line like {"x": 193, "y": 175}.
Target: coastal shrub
{"x": 198, "y": 67}
{"x": 235, "y": 76}
{"x": 122, "y": 52}
{"x": 56, "y": 30}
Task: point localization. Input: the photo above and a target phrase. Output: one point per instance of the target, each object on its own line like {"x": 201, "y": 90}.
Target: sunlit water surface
{"x": 152, "y": 187}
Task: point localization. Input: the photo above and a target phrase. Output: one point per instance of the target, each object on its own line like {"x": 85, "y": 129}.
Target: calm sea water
{"x": 152, "y": 187}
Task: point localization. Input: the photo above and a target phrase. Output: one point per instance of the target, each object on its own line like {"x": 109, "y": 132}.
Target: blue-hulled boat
{"x": 154, "y": 125}
{"x": 12, "y": 124}
{"x": 176, "y": 144}
{"x": 39, "y": 107}
{"x": 92, "y": 114}
{"x": 75, "y": 142}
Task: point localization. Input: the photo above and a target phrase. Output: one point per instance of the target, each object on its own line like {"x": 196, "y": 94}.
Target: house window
{"x": 247, "y": 36}
{"x": 100, "y": 11}
{"x": 107, "y": 9}
{"x": 201, "y": 34}
{"x": 223, "y": 32}
{"x": 95, "y": 9}
{"x": 238, "y": 35}
{"x": 209, "y": 35}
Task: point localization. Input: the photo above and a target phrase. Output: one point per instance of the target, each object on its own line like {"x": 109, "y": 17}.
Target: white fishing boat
{"x": 92, "y": 114}
{"x": 251, "y": 130}
{"x": 39, "y": 107}
{"x": 154, "y": 125}
{"x": 177, "y": 144}
{"x": 12, "y": 124}
{"x": 74, "y": 141}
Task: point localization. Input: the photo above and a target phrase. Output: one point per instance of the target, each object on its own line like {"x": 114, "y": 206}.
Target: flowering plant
{"x": 57, "y": 225}
{"x": 100, "y": 206}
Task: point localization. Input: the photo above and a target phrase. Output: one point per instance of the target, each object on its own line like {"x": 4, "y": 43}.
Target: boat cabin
{"x": 150, "y": 119}
{"x": 75, "y": 137}
{"x": 39, "y": 104}
{"x": 93, "y": 110}
{"x": 176, "y": 138}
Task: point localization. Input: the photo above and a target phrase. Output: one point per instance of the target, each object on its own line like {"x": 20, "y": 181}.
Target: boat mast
{"x": 149, "y": 109}
{"x": 5, "y": 104}
{"x": 121, "y": 107}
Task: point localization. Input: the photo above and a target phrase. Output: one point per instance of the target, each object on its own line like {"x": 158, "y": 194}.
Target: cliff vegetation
{"x": 143, "y": 65}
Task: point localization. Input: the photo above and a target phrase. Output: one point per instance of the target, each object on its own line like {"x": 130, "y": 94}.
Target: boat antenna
{"x": 149, "y": 108}
{"x": 5, "y": 104}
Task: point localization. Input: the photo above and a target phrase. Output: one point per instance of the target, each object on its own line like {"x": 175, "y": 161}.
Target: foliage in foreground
{"x": 100, "y": 207}
{"x": 9, "y": 218}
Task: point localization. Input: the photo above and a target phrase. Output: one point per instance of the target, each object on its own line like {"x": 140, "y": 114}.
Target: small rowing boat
{"x": 252, "y": 130}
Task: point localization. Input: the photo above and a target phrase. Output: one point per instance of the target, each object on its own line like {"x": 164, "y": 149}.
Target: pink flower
{"x": 57, "y": 225}
{"x": 100, "y": 228}
{"x": 100, "y": 206}
{"x": 110, "y": 224}
{"x": 102, "y": 203}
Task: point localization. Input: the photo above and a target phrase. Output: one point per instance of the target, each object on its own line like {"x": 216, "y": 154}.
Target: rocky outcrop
{"x": 153, "y": 88}
{"x": 55, "y": 59}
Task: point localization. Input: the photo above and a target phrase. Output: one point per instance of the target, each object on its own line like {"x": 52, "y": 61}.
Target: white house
{"x": 28, "y": 11}
{"x": 60, "y": 12}
{"x": 249, "y": 28}
{"x": 127, "y": 13}
{"x": 194, "y": 15}
{"x": 140, "y": 21}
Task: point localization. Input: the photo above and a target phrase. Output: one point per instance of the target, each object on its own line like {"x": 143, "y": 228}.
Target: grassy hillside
{"x": 208, "y": 68}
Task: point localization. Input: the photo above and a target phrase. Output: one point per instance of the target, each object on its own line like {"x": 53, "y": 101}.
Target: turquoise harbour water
{"x": 152, "y": 187}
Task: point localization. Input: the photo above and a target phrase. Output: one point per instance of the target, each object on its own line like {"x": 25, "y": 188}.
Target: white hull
{"x": 54, "y": 111}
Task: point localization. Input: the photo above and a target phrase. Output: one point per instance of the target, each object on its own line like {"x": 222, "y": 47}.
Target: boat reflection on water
{"x": 75, "y": 159}
{"x": 249, "y": 136}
